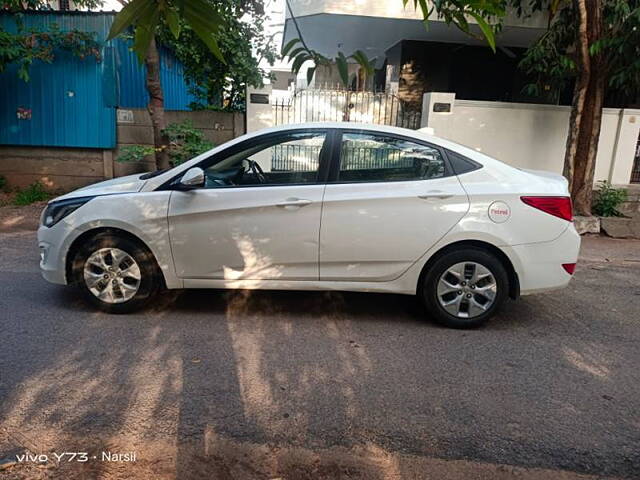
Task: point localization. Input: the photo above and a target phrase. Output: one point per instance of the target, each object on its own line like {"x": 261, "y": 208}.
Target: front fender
{"x": 143, "y": 215}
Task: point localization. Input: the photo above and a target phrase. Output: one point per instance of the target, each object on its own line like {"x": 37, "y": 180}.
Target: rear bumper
{"x": 539, "y": 265}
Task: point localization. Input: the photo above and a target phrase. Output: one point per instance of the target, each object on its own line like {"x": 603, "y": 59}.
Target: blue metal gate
{"x": 72, "y": 102}
{"x": 68, "y": 103}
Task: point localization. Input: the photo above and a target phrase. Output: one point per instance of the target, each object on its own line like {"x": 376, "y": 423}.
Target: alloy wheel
{"x": 112, "y": 275}
{"x": 467, "y": 289}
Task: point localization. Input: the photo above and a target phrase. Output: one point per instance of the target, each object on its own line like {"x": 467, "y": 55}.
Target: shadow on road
{"x": 241, "y": 384}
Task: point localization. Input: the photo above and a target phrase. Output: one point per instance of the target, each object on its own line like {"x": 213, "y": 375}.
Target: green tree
{"x": 595, "y": 43}
{"x": 147, "y": 17}
{"x": 243, "y": 44}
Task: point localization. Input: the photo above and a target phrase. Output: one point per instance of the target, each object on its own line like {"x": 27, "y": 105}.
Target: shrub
{"x": 3, "y": 183}
{"x": 185, "y": 142}
{"x": 608, "y": 199}
{"x": 31, "y": 194}
{"x": 134, "y": 153}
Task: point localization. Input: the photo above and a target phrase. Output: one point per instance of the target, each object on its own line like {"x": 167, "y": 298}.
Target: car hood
{"x": 128, "y": 184}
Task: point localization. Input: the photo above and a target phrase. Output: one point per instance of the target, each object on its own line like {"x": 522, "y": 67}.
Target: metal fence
{"x": 335, "y": 105}
{"x": 303, "y": 158}
{"x": 362, "y": 158}
{"x": 635, "y": 173}
{"x": 295, "y": 158}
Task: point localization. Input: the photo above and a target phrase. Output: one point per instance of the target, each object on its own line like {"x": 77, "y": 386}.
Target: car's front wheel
{"x": 464, "y": 288}
{"x": 116, "y": 274}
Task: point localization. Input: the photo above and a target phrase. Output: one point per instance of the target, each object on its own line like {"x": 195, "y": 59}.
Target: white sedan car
{"x": 321, "y": 206}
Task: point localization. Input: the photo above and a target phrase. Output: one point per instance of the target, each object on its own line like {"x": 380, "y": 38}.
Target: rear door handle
{"x": 294, "y": 202}
{"x": 435, "y": 194}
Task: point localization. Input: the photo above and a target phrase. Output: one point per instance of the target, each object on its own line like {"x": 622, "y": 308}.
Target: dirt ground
{"x": 19, "y": 218}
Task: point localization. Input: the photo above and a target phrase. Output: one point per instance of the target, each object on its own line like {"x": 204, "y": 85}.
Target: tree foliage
{"x": 299, "y": 53}
{"x": 25, "y": 47}
{"x": 242, "y": 43}
{"x": 145, "y": 16}
{"x": 488, "y": 15}
{"x": 220, "y": 44}
{"x": 552, "y": 59}
{"x": 597, "y": 43}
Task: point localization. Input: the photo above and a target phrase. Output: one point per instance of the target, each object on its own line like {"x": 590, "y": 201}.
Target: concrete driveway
{"x": 314, "y": 385}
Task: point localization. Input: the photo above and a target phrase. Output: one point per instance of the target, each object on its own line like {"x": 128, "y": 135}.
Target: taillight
{"x": 557, "y": 206}
{"x": 569, "y": 267}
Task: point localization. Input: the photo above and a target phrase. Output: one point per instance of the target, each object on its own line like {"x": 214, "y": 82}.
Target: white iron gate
{"x": 333, "y": 105}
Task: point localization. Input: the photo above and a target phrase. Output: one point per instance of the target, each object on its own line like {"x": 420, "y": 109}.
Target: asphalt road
{"x": 313, "y": 385}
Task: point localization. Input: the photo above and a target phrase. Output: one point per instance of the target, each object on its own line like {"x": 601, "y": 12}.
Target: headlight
{"x": 56, "y": 211}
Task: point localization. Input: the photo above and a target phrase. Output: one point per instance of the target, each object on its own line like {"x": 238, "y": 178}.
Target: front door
{"x": 258, "y": 216}
{"x": 391, "y": 200}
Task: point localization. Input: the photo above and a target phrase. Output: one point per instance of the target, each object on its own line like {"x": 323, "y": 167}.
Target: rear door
{"x": 388, "y": 199}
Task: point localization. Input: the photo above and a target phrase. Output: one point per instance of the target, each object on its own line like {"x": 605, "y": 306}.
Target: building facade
{"x": 411, "y": 59}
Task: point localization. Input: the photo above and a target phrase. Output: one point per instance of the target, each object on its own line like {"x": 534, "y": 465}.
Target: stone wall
{"x": 57, "y": 168}
{"x": 218, "y": 127}
{"x": 62, "y": 169}
{"x": 631, "y": 208}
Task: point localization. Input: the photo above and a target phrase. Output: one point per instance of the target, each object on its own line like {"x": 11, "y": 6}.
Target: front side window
{"x": 293, "y": 158}
{"x": 371, "y": 157}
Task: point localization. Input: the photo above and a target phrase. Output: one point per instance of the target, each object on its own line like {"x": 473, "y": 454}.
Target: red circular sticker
{"x": 499, "y": 212}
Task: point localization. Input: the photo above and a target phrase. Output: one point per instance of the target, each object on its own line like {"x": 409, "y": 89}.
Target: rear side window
{"x": 461, "y": 164}
{"x": 370, "y": 157}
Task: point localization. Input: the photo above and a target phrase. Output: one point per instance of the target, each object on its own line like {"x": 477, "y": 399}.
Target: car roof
{"x": 348, "y": 126}
{"x": 420, "y": 134}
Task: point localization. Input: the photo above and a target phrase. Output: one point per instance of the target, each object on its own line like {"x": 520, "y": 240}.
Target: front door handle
{"x": 291, "y": 203}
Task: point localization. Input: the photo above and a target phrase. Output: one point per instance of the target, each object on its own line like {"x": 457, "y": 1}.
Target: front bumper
{"x": 540, "y": 266}
{"x": 54, "y": 243}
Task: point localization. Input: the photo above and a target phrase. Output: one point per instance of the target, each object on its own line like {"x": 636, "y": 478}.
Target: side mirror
{"x": 192, "y": 178}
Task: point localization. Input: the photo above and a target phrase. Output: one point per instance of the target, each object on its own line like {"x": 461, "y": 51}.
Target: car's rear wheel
{"x": 116, "y": 274}
{"x": 463, "y": 288}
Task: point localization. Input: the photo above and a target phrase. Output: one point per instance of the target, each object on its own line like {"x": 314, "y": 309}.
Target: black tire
{"x": 150, "y": 278}
{"x": 429, "y": 288}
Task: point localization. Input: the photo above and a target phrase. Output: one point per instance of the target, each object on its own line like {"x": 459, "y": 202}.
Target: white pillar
{"x": 625, "y": 147}
{"x": 259, "y": 110}
{"x": 437, "y": 110}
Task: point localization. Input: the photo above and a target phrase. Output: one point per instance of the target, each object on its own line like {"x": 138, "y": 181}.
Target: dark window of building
{"x": 472, "y": 72}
